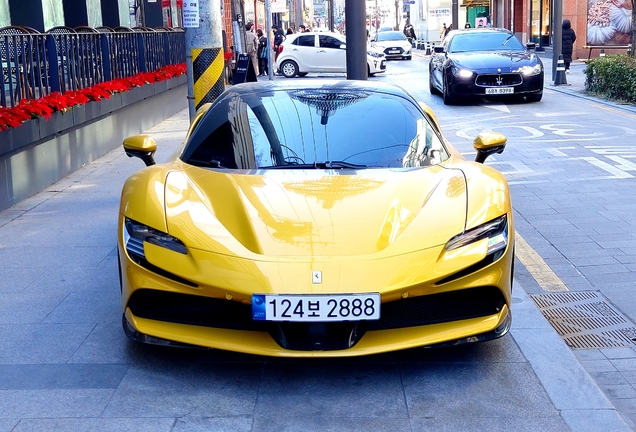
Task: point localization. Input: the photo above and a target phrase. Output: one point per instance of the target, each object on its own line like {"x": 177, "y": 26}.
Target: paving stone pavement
{"x": 63, "y": 365}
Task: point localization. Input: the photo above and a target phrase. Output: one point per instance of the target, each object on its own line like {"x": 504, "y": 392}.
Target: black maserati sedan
{"x": 485, "y": 62}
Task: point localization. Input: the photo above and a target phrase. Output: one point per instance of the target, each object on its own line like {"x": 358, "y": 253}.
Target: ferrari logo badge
{"x": 316, "y": 277}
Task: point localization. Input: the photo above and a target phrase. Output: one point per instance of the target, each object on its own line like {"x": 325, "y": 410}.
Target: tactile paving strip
{"x": 586, "y": 320}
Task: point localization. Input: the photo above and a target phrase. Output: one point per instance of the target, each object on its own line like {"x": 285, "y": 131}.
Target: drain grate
{"x": 586, "y": 319}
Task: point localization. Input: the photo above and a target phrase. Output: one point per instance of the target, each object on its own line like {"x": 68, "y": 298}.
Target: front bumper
{"x": 422, "y": 311}
{"x": 469, "y": 87}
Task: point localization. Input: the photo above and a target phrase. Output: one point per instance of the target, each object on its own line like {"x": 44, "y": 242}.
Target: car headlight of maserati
{"x": 462, "y": 73}
{"x": 135, "y": 234}
{"x": 530, "y": 70}
{"x": 496, "y": 231}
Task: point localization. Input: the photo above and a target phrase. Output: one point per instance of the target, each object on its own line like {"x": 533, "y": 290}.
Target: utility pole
{"x": 455, "y": 14}
{"x": 557, "y": 33}
{"x": 356, "y": 40}
{"x": 397, "y": 18}
{"x": 202, "y": 20}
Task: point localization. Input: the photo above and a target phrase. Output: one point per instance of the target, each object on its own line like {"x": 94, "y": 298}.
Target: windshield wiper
{"x": 205, "y": 164}
{"x": 319, "y": 165}
{"x": 507, "y": 39}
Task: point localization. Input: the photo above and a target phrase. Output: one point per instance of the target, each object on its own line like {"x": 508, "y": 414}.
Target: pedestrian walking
{"x": 263, "y": 52}
{"x": 251, "y": 42}
{"x": 567, "y": 43}
{"x": 279, "y": 37}
{"x": 442, "y": 31}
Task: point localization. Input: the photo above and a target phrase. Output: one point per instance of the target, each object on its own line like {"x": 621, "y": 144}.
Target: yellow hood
{"x": 315, "y": 213}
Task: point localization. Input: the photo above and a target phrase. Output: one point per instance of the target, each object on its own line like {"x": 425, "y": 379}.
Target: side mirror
{"x": 488, "y": 143}
{"x": 439, "y": 49}
{"x": 531, "y": 45}
{"x": 141, "y": 146}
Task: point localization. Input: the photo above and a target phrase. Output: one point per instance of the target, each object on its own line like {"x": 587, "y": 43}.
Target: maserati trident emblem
{"x": 499, "y": 80}
{"x": 316, "y": 277}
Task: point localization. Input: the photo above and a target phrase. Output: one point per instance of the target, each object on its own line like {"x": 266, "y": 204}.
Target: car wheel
{"x": 536, "y": 97}
{"x": 431, "y": 86}
{"x": 302, "y": 74}
{"x": 408, "y": 58}
{"x": 446, "y": 97}
{"x": 289, "y": 69}
{"x": 121, "y": 286}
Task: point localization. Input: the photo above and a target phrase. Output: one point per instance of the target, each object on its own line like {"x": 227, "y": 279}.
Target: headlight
{"x": 135, "y": 234}
{"x": 462, "y": 73}
{"x": 375, "y": 54}
{"x": 530, "y": 70}
{"x": 496, "y": 231}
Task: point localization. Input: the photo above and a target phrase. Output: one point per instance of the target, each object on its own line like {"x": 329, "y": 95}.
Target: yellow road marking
{"x": 613, "y": 110}
{"x": 537, "y": 268}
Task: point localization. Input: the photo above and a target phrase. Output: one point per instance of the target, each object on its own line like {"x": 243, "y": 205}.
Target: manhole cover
{"x": 586, "y": 320}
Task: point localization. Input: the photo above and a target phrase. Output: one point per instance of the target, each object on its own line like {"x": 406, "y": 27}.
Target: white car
{"x": 394, "y": 45}
{"x": 321, "y": 52}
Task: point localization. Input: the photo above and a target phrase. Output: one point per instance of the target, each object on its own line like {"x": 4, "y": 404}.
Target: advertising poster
{"x": 190, "y": 13}
{"x": 278, "y": 6}
{"x": 608, "y": 22}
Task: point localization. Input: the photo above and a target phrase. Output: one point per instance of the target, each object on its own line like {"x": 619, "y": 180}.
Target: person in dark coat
{"x": 567, "y": 44}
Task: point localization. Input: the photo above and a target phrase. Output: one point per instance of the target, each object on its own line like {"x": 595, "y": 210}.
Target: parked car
{"x": 319, "y": 52}
{"x": 485, "y": 62}
{"x": 394, "y": 44}
{"x": 316, "y": 218}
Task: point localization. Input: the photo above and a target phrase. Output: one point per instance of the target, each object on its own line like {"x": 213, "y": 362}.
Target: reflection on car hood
{"x": 484, "y": 61}
{"x": 308, "y": 213}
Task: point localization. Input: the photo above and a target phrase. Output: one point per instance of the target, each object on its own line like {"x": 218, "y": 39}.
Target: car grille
{"x": 409, "y": 312}
{"x": 387, "y": 51}
{"x": 494, "y": 80}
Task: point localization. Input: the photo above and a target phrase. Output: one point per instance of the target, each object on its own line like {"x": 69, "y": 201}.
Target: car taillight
{"x": 280, "y": 49}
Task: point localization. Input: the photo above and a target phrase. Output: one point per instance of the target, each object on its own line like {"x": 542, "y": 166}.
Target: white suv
{"x": 304, "y": 53}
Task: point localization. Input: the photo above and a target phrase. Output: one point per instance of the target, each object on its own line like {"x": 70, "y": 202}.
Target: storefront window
{"x": 540, "y": 13}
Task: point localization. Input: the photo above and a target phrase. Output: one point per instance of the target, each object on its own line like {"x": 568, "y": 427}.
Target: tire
{"x": 289, "y": 68}
{"x": 446, "y": 97}
{"x": 121, "y": 285}
{"x": 409, "y": 58}
{"x": 536, "y": 97}
{"x": 431, "y": 87}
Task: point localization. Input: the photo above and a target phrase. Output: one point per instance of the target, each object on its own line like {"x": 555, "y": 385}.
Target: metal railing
{"x": 36, "y": 64}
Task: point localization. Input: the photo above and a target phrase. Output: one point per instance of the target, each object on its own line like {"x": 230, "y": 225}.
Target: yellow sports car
{"x": 315, "y": 219}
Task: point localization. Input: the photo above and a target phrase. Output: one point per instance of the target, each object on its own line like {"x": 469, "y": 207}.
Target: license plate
{"x": 308, "y": 308}
{"x": 500, "y": 90}
{"x": 394, "y": 51}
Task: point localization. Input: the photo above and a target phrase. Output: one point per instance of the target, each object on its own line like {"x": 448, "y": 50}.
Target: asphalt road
{"x": 66, "y": 365}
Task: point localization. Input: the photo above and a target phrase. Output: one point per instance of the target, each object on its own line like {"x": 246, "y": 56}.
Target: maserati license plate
{"x": 499, "y": 90}
{"x": 308, "y": 308}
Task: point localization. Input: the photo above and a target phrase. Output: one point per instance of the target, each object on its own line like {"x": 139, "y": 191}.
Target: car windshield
{"x": 321, "y": 127}
{"x": 390, "y": 36}
{"x": 484, "y": 41}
